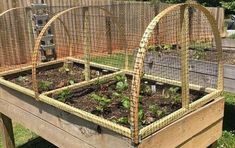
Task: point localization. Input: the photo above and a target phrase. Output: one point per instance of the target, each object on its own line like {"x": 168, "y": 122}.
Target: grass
{"x": 232, "y": 36}
{"x": 21, "y": 134}
{"x": 115, "y": 60}
{"x": 228, "y": 138}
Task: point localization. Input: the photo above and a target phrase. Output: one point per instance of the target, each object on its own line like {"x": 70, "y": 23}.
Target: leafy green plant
{"x": 199, "y": 53}
{"x": 71, "y": 82}
{"x": 120, "y": 78}
{"x": 121, "y": 84}
{"x": 141, "y": 113}
{"x": 102, "y": 101}
{"x": 66, "y": 68}
{"x": 123, "y": 120}
{"x": 125, "y": 102}
{"x": 145, "y": 89}
{"x": 156, "y": 110}
{"x": 172, "y": 93}
{"x": 65, "y": 95}
{"x": 162, "y": 48}
{"x": 22, "y": 79}
{"x": 44, "y": 85}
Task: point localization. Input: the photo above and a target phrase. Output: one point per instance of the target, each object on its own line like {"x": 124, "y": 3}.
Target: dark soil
{"x": 55, "y": 78}
{"x": 116, "y": 112}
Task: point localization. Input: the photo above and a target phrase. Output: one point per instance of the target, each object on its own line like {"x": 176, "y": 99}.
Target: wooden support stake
{"x": 108, "y": 34}
{"x": 30, "y": 28}
{"x": 7, "y": 131}
{"x": 122, "y": 30}
{"x": 86, "y": 42}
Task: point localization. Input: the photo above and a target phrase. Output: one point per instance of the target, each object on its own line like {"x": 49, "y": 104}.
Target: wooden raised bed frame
{"x": 65, "y": 126}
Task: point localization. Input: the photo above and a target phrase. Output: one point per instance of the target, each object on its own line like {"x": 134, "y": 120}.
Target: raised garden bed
{"x": 55, "y": 76}
{"x": 111, "y": 99}
{"x": 87, "y": 130}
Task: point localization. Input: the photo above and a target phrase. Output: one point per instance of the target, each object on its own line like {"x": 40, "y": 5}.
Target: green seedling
{"x": 71, "y": 82}
{"x": 102, "y": 101}
{"x": 167, "y": 47}
{"x": 172, "y": 93}
{"x": 123, "y": 120}
{"x": 44, "y": 85}
{"x": 121, "y": 86}
{"x": 141, "y": 112}
{"x": 145, "y": 89}
{"x": 120, "y": 78}
{"x": 66, "y": 68}
{"x": 125, "y": 102}
{"x": 65, "y": 95}
{"x": 199, "y": 53}
{"x": 22, "y": 79}
{"x": 156, "y": 110}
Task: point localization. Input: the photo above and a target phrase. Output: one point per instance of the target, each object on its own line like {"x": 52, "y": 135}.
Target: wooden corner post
{"x": 184, "y": 39}
{"x": 7, "y": 131}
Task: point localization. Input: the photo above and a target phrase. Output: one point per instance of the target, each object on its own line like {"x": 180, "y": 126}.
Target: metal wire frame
{"x": 37, "y": 43}
{"x": 139, "y": 63}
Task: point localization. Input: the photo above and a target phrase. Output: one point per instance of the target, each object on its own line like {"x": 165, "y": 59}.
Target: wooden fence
{"x": 16, "y": 41}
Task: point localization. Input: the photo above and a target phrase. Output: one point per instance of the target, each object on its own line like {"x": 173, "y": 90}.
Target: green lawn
{"x": 115, "y": 60}
{"x": 228, "y": 138}
{"x": 21, "y": 134}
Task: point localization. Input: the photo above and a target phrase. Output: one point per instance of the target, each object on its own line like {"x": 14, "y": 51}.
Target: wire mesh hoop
{"x": 40, "y": 36}
{"x": 139, "y": 63}
{"x": 9, "y": 10}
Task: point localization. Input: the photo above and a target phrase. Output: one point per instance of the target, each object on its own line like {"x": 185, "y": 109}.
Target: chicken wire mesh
{"x": 174, "y": 51}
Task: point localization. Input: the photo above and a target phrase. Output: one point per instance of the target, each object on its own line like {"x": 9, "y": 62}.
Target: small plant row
{"x": 118, "y": 92}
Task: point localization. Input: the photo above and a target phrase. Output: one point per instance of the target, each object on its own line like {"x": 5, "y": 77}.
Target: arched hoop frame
{"x": 38, "y": 40}
{"x": 9, "y": 10}
{"x": 137, "y": 134}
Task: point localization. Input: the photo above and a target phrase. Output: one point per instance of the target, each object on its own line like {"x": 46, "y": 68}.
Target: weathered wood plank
{"x": 41, "y": 127}
{"x": 75, "y": 126}
{"x": 205, "y": 138}
{"x": 7, "y": 131}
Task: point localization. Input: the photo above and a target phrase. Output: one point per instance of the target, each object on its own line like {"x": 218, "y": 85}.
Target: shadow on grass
{"x": 229, "y": 118}
{"x": 37, "y": 143}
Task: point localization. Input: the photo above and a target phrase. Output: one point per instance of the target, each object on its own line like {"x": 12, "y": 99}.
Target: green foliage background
{"x": 228, "y": 5}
